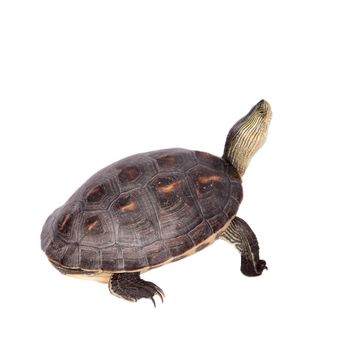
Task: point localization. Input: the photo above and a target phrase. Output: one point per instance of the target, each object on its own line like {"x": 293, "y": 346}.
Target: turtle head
{"x": 247, "y": 136}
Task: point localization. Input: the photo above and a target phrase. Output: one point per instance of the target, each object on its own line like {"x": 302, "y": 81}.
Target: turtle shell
{"x": 143, "y": 211}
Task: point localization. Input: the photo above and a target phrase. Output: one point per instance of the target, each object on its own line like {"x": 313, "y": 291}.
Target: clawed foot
{"x": 250, "y": 269}
{"x": 131, "y": 287}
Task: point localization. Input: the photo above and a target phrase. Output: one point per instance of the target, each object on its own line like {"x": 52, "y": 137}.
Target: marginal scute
{"x": 217, "y": 221}
{"x": 56, "y": 249}
{"x": 89, "y": 259}
{"x": 156, "y": 253}
{"x": 233, "y": 174}
{"x": 179, "y": 244}
{"x": 71, "y": 256}
{"x": 202, "y": 246}
{"x": 200, "y": 233}
{"x": 234, "y": 201}
{"x": 133, "y": 258}
{"x": 112, "y": 258}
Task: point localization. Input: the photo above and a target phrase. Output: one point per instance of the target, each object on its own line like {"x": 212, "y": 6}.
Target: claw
{"x": 160, "y": 293}
{"x": 157, "y": 291}
{"x": 154, "y": 303}
{"x": 160, "y": 296}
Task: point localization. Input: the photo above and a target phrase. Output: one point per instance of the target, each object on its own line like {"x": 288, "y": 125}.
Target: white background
{"x": 85, "y": 83}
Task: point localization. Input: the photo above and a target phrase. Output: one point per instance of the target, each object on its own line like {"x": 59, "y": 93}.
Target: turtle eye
{"x": 261, "y": 111}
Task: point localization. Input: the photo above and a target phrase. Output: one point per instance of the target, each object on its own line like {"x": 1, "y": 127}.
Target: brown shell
{"x": 142, "y": 211}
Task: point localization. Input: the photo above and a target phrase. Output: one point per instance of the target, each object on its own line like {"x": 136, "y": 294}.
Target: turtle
{"x": 154, "y": 208}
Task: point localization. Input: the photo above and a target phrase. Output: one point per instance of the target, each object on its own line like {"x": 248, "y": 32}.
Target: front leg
{"x": 241, "y": 235}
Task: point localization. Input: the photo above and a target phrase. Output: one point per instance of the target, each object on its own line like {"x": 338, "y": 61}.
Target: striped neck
{"x": 247, "y": 136}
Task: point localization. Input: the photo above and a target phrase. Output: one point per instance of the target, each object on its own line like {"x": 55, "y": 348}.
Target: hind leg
{"x": 131, "y": 287}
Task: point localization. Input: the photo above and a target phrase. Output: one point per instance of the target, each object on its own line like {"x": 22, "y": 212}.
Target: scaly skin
{"x": 247, "y": 136}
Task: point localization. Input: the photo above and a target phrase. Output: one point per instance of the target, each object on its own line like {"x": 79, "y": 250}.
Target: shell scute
{"x": 177, "y": 210}
{"x": 132, "y": 172}
{"x": 216, "y": 221}
{"x": 89, "y": 258}
{"x": 210, "y": 161}
{"x": 200, "y": 233}
{"x": 212, "y": 190}
{"x": 67, "y": 221}
{"x": 167, "y": 191}
{"x": 56, "y": 249}
{"x": 112, "y": 258}
{"x": 156, "y": 253}
{"x": 170, "y": 160}
{"x": 129, "y": 174}
{"x": 179, "y": 244}
{"x": 71, "y": 256}
{"x": 97, "y": 230}
{"x": 234, "y": 200}
{"x": 133, "y": 257}
{"x": 134, "y": 216}
{"x": 96, "y": 193}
